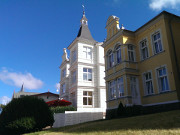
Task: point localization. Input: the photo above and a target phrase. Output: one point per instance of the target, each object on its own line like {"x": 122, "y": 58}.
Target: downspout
{"x": 174, "y": 47}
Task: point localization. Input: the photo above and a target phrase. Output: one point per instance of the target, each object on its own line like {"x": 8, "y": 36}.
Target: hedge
{"x": 29, "y": 113}
{"x": 62, "y": 109}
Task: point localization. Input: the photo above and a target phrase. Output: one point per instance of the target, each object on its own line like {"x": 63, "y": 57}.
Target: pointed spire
{"x": 22, "y": 88}
{"x": 83, "y": 10}
{"x": 84, "y": 20}
{"x": 84, "y": 30}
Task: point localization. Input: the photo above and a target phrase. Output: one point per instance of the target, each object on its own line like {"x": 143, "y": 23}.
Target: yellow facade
{"x": 143, "y": 66}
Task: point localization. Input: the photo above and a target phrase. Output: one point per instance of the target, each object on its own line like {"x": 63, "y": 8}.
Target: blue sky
{"x": 33, "y": 34}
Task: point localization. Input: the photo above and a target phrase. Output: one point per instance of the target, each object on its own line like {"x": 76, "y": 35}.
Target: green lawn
{"x": 166, "y": 123}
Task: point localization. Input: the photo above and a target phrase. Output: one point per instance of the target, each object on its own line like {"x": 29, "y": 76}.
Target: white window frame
{"x": 146, "y": 81}
{"x": 110, "y": 59}
{"x": 131, "y": 53}
{"x": 118, "y": 54}
{"x": 88, "y": 74}
{"x": 159, "y": 39}
{"x": 88, "y": 96}
{"x": 112, "y": 89}
{"x": 145, "y": 47}
{"x": 164, "y": 76}
{"x": 87, "y": 52}
{"x": 120, "y": 86}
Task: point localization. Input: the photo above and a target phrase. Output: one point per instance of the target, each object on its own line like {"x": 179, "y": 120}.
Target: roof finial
{"x": 83, "y": 10}
{"x": 122, "y": 27}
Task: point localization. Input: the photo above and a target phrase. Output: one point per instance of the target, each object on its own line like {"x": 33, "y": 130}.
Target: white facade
{"x": 84, "y": 77}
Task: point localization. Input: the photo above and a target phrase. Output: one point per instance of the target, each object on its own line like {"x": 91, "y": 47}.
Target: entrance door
{"x": 135, "y": 91}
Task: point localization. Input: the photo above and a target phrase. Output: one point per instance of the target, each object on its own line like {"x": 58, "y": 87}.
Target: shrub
{"x": 22, "y": 125}
{"x": 133, "y": 110}
{"x": 111, "y": 113}
{"x": 2, "y": 106}
{"x": 62, "y": 109}
{"x": 120, "y": 110}
{"x": 32, "y": 109}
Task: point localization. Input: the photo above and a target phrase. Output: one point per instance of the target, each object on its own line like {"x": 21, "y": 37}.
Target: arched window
{"x": 118, "y": 54}
{"x": 110, "y": 59}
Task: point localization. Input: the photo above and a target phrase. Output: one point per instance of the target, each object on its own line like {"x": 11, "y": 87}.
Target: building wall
{"x": 128, "y": 69}
{"x": 172, "y": 31}
{"x": 154, "y": 62}
{"x": 97, "y": 85}
{"x": 47, "y": 98}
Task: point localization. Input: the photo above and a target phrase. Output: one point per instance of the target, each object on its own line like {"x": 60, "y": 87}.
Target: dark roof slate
{"x": 85, "y": 33}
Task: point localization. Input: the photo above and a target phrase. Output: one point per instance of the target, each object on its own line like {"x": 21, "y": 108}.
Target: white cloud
{"x": 160, "y": 4}
{"x": 17, "y": 79}
{"x": 4, "y": 100}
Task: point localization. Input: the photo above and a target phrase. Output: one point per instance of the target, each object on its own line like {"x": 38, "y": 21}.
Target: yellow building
{"x": 143, "y": 66}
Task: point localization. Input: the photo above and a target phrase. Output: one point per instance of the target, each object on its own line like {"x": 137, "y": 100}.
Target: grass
{"x": 166, "y": 123}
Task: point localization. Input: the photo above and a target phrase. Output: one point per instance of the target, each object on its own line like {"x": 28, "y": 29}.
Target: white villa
{"x": 82, "y": 74}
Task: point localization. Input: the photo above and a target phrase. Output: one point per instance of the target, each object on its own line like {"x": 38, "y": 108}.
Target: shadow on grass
{"x": 165, "y": 120}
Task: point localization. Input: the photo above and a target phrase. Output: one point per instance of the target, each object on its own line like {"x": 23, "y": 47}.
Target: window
{"x": 110, "y": 59}
{"x": 87, "y": 52}
{"x": 73, "y": 77}
{"x": 118, "y": 54}
{"x": 112, "y": 89}
{"x": 157, "y": 43}
{"x": 87, "y": 74}
{"x": 131, "y": 53}
{"x": 87, "y": 97}
{"x": 63, "y": 73}
{"x": 133, "y": 87}
{"x": 73, "y": 55}
{"x": 148, "y": 83}
{"x": 63, "y": 87}
{"x": 162, "y": 79}
{"x": 120, "y": 87}
{"x": 144, "y": 49}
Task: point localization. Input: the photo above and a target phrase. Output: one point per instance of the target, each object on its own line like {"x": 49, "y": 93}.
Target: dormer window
{"x": 84, "y": 22}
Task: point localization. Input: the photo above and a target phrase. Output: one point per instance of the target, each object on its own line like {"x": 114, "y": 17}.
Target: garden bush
{"x": 25, "y": 114}
{"x": 120, "y": 110}
{"x": 111, "y": 113}
{"x": 22, "y": 125}
{"x": 133, "y": 110}
{"x": 62, "y": 109}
